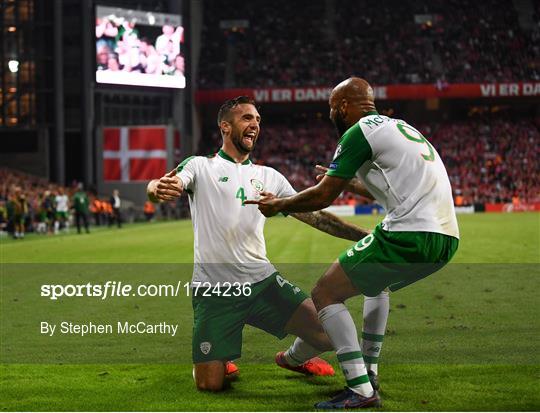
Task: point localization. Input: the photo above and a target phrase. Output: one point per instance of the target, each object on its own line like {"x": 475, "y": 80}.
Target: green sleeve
{"x": 183, "y": 163}
{"x": 188, "y": 174}
{"x": 352, "y": 151}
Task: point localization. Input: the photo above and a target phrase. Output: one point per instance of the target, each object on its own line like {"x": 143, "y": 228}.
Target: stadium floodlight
{"x": 13, "y": 66}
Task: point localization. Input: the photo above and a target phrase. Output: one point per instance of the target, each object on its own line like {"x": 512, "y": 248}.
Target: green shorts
{"x": 395, "y": 259}
{"x": 61, "y": 215}
{"x": 218, "y": 321}
{"x": 18, "y": 219}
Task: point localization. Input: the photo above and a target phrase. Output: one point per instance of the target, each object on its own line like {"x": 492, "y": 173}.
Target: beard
{"x": 339, "y": 125}
{"x": 237, "y": 140}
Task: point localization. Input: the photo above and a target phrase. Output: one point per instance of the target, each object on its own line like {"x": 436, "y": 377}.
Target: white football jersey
{"x": 62, "y": 203}
{"x": 402, "y": 170}
{"x": 229, "y": 242}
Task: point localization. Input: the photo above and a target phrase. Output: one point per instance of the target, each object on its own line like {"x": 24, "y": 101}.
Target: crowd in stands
{"x": 488, "y": 161}
{"x": 30, "y": 203}
{"x": 305, "y": 43}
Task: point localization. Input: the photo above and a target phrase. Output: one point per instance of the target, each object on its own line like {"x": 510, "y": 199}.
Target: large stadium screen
{"x": 139, "y": 48}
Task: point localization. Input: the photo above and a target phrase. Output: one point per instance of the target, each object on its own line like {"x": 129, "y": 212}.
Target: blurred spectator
{"x": 47, "y": 207}
{"x": 116, "y": 203}
{"x": 42, "y": 226}
{"x": 106, "y": 33}
{"x": 81, "y": 207}
{"x": 178, "y": 66}
{"x": 102, "y": 57}
{"x": 3, "y": 217}
{"x": 149, "y": 210}
{"x": 168, "y": 43}
{"x": 95, "y": 210}
{"x": 151, "y": 60}
{"x": 62, "y": 211}
{"x": 107, "y": 212}
{"x": 113, "y": 64}
{"x": 18, "y": 209}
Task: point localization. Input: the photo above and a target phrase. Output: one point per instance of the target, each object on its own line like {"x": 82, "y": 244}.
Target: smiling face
{"x": 242, "y": 127}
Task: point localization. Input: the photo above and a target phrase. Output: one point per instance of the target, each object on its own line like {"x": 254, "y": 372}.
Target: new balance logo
{"x": 223, "y": 179}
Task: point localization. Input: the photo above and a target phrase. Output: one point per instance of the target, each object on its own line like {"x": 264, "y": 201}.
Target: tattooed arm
{"x": 331, "y": 224}
{"x": 355, "y": 185}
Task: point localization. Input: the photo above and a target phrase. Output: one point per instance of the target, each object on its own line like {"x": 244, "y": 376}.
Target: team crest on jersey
{"x": 257, "y": 185}
{"x": 338, "y": 151}
{"x": 206, "y": 347}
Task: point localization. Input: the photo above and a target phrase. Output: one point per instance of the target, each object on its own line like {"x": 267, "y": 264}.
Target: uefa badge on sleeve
{"x": 337, "y": 152}
{"x": 206, "y": 347}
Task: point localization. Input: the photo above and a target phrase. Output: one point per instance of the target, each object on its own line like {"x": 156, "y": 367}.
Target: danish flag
{"x": 134, "y": 154}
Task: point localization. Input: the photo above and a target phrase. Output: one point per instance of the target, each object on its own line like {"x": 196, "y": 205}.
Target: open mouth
{"x": 250, "y": 137}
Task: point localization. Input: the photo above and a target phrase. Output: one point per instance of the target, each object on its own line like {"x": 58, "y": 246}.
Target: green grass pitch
{"x": 463, "y": 339}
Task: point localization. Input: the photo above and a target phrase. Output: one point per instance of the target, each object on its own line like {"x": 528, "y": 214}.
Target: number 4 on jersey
{"x": 241, "y": 195}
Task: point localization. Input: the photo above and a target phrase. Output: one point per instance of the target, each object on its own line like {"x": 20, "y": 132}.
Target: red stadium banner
{"x": 513, "y": 207}
{"x": 134, "y": 153}
{"x": 390, "y": 92}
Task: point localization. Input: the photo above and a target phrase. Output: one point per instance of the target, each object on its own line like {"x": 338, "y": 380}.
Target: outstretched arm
{"x": 167, "y": 188}
{"x": 355, "y": 185}
{"x": 331, "y": 224}
{"x": 312, "y": 199}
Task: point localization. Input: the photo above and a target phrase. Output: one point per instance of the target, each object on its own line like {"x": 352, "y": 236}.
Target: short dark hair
{"x": 230, "y": 104}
